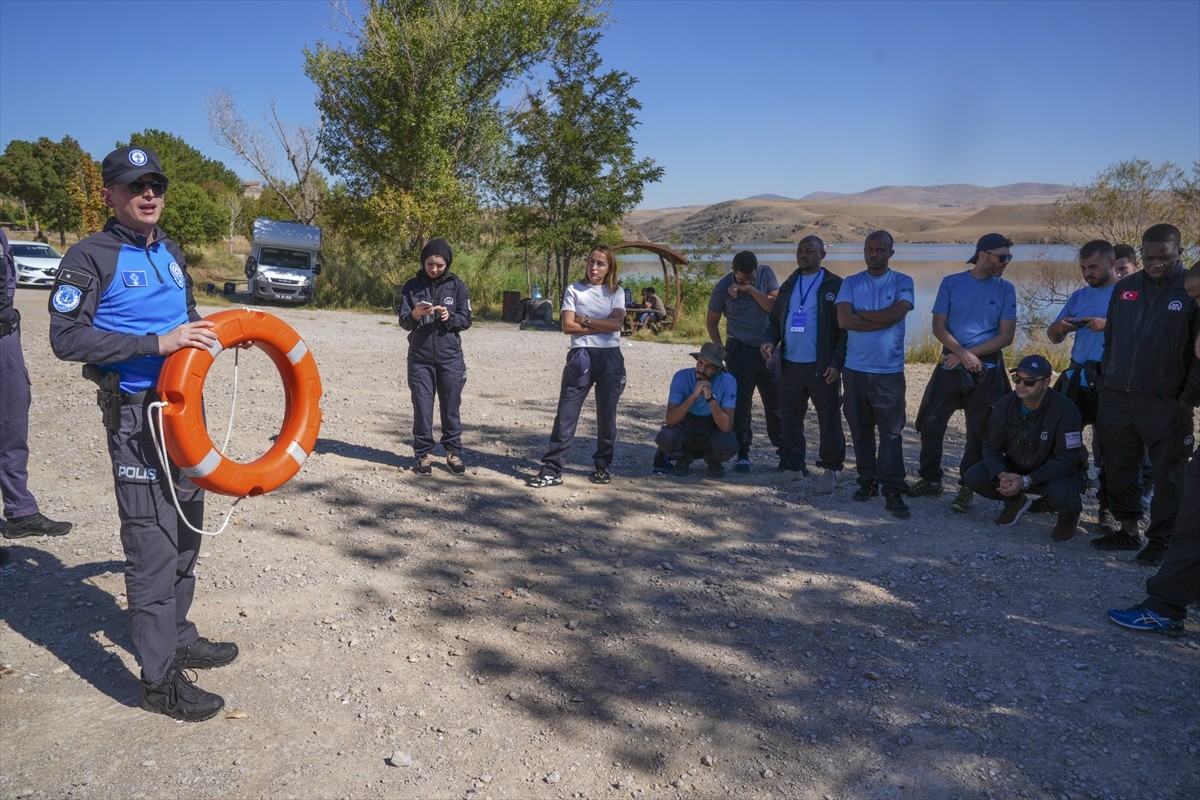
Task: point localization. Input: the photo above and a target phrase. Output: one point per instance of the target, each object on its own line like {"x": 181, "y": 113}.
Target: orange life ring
{"x": 181, "y": 387}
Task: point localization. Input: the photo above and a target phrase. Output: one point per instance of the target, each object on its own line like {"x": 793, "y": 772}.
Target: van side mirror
{"x": 317, "y": 265}
{"x": 251, "y": 266}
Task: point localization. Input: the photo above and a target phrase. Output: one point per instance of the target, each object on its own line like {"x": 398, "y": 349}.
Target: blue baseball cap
{"x": 1034, "y": 366}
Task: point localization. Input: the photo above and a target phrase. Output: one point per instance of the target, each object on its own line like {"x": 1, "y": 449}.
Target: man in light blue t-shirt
{"x": 699, "y": 422}
{"x": 746, "y": 296}
{"x": 1085, "y": 315}
{"x": 871, "y": 307}
{"x": 975, "y": 318}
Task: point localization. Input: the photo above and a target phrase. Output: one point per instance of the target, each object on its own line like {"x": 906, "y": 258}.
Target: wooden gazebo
{"x": 666, "y": 257}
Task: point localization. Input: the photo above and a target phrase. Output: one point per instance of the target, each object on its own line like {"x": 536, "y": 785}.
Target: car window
{"x": 35, "y": 251}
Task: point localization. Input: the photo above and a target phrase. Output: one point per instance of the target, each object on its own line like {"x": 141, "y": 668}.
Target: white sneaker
{"x": 829, "y": 482}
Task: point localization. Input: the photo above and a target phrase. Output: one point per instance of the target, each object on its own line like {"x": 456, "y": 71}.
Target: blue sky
{"x": 739, "y": 98}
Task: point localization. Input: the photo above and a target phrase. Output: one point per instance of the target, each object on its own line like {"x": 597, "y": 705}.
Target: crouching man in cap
{"x": 1034, "y": 445}
{"x": 122, "y": 302}
{"x": 699, "y": 420}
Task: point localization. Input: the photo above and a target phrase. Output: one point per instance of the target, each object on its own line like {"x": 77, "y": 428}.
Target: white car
{"x": 37, "y": 263}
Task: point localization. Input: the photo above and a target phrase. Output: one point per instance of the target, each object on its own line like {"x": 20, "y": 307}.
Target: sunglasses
{"x": 1004, "y": 259}
{"x": 138, "y": 187}
{"x": 1030, "y": 381}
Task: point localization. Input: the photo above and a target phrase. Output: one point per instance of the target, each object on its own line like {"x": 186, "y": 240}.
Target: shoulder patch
{"x": 66, "y": 299}
{"x": 177, "y": 274}
{"x": 1074, "y": 439}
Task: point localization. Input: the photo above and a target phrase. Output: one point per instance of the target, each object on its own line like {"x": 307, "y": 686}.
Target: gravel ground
{"x": 467, "y": 637}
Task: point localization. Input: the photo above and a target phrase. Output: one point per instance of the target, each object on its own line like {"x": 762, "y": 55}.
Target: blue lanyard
{"x": 800, "y": 287}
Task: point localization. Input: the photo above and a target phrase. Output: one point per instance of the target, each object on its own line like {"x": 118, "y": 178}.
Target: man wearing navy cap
{"x": 1034, "y": 445}
{"x": 975, "y": 318}
{"x": 122, "y": 302}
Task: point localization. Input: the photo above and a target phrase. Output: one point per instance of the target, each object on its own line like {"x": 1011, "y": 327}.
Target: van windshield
{"x": 279, "y": 257}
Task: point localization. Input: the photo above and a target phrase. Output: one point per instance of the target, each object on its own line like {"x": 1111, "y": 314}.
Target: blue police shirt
{"x": 1087, "y": 302}
{"x": 724, "y": 389}
{"x": 147, "y": 295}
{"x": 974, "y": 308}
{"x": 879, "y": 352}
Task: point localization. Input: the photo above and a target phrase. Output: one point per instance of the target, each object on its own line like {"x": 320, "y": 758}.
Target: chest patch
{"x": 1175, "y": 305}
{"x": 1074, "y": 439}
{"x": 134, "y": 278}
{"x": 1129, "y": 294}
{"x": 177, "y": 274}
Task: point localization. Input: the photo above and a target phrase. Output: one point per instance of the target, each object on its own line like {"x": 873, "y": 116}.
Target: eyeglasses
{"x": 1030, "y": 381}
{"x": 138, "y": 187}
{"x": 1003, "y": 259}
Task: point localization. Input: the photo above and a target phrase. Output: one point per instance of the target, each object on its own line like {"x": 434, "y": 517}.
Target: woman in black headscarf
{"x": 434, "y": 308}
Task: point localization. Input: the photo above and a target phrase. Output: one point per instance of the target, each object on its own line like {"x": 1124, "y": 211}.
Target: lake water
{"x": 926, "y": 264}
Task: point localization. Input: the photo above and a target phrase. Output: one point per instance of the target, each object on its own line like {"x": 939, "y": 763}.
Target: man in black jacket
{"x": 1034, "y": 445}
{"x": 1148, "y": 393}
{"x": 803, "y": 325}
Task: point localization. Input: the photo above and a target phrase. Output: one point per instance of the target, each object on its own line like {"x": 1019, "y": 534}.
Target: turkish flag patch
{"x": 1129, "y": 295}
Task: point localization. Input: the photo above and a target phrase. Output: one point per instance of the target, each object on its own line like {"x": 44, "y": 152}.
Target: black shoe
{"x": 34, "y": 525}
{"x": 205, "y": 654}
{"x": 544, "y": 480}
{"x": 1042, "y": 506}
{"x": 864, "y": 493}
{"x": 600, "y": 475}
{"x": 1117, "y": 540}
{"x": 1152, "y": 554}
{"x": 716, "y": 469}
{"x": 1065, "y": 529}
{"x": 1013, "y": 508}
{"x": 894, "y": 503}
{"x": 179, "y": 698}
{"x": 682, "y": 467}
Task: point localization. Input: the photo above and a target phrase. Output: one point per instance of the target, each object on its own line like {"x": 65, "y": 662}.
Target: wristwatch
{"x": 1025, "y": 482}
{"x": 587, "y": 323}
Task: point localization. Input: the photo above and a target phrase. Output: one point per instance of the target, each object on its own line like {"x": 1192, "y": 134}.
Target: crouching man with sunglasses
{"x": 1034, "y": 445}
{"x": 121, "y": 303}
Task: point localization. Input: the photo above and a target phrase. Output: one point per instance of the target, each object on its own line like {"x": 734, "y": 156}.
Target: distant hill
{"x": 769, "y": 197}
{"x": 948, "y": 195}
{"x": 771, "y": 220}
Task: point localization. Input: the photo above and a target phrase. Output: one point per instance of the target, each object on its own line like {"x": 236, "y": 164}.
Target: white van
{"x": 285, "y": 258}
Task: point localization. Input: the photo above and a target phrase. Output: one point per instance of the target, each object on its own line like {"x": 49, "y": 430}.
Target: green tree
{"x": 183, "y": 163}
{"x": 47, "y": 175}
{"x": 573, "y": 170}
{"x": 191, "y": 217}
{"x": 410, "y": 108}
{"x": 1127, "y": 198}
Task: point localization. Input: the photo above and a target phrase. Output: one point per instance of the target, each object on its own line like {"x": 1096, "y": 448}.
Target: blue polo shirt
{"x": 724, "y": 389}
{"x": 879, "y": 352}
{"x": 974, "y": 308}
{"x": 1087, "y": 302}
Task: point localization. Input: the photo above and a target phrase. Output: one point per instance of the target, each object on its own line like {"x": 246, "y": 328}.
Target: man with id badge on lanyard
{"x": 812, "y": 352}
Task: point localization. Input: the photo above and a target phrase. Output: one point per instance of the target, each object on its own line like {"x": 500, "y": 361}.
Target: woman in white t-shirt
{"x": 593, "y": 311}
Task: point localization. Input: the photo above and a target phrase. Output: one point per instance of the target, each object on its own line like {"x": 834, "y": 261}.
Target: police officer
{"x": 121, "y": 303}
{"x": 1034, "y": 445}
{"x": 1150, "y": 388}
{"x": 20, "y": 506}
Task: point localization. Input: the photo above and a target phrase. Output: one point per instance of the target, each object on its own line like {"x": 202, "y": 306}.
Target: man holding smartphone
{"x": 1084, "y": 315}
